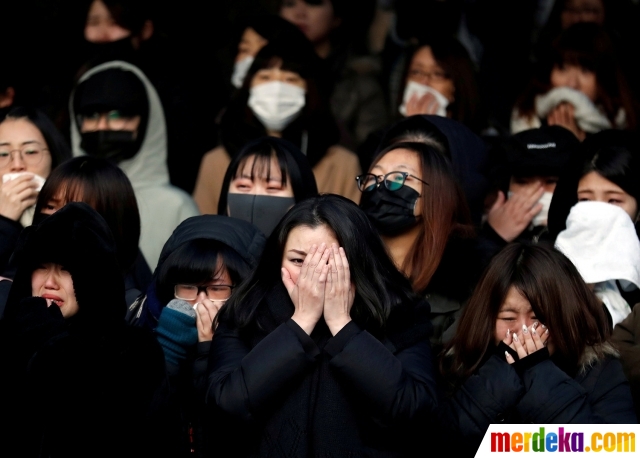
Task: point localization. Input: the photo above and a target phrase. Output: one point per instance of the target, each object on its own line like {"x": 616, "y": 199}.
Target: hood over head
{"x": 467, "y": 152}
{"x": 242, "y": 236}
{"x": 79, "y": 239}
{"x": 119, "y": 85}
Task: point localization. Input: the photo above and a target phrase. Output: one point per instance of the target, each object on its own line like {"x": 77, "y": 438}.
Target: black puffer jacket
{"x": 536, "y": 390}
{"x": 87, "y": 385}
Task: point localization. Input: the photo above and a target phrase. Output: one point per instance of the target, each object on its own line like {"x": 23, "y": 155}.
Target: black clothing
{"x": 9, "y": 233}
{"x": 539, "y": 391}
{"x": 353, "y": 394}
{"x": 84, "y": 385}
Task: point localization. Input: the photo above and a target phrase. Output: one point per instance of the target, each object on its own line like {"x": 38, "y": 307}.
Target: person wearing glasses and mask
{"x": 413, "y": 199}
{"x": 30, "y": 147}
{"x": 117, "y": 115}
{"x": 205, "y": 258}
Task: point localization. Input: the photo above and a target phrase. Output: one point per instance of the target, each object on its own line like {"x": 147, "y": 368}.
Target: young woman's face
{"x": 594, "y": 186}
{"x": 52, "y": 282}
{"x": 23, "y": 144}
{"x": 402, "y": 160}
{"x": 424, "y": 69}
{"x": 519, "y": 185}
{"x": 575, "y": 77}
{"x": 250, "y": 43}
{"x": 217, "y": 289}
{"x": 299, "y": 243}
{"x": 267, "y": 75}
{"x": 316, "y": 19}
{"x": 101, "y": 27}
{"x": 514, "y": 312}
{"x": 267, "y": 179}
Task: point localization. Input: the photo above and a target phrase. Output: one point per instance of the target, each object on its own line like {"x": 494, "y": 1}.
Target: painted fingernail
{"x": 534, "y": 325}
{"x": 508, "y": 332}
{"x": 533, "y": 331}
{"x": 546, "y": 332}
{"x": 515, "y": 337}
{"x": 524, "y": 329}
{"x": 506, "y": 354}
{"x": 544, "y": 327}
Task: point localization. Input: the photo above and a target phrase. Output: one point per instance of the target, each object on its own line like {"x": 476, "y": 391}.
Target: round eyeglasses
{"x": 393, "y": 181}
{"x": 31, "y": 154}
{"x": 218, "y": 293}
{"x": 114, "y": 120}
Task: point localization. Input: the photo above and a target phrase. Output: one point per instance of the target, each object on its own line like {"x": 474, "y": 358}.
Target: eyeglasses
{"x": 434, "y": 76}
{"x": 29, "y": 154}
{"x": 393, "y": 181}
{"x": 114, "y": 120}
{"x": 214, "y": 292}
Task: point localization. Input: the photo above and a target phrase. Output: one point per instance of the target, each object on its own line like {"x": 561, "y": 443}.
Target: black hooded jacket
{"x": 87, "y": 385}
{"x": 242, "y": 236}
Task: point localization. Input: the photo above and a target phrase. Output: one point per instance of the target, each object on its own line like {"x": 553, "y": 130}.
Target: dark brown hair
{"x": 558, "y": 296}
{"x": 106, "y": 188}
{"x": 444, "y": 212}
{"x": 458, "y": 66}
{"x": 588, "y": 46}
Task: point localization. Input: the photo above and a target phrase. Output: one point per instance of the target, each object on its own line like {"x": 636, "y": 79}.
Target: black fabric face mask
{"x": 391, "y": 212}
{"x": 114, "y": 145}
{"x": 265, "y": 212}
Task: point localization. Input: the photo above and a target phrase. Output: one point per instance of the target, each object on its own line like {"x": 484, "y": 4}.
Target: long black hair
{"x": 379, "y": 285}
{"x": 314, "y": 131}
{"x": 293, "y": 166}
{"x": 106, "y": 188}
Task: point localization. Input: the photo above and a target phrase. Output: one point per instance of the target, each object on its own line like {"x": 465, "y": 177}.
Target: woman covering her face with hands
{"x": 325, "y": 328}
{"x": 531, "y": 347}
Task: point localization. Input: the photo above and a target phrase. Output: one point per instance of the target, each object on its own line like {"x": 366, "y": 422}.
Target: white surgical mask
{"x": 276, "y": 104}
{"x": 240, "y": 69}
{"x": 541, "y": 218}
{"x": 419, "y": 90}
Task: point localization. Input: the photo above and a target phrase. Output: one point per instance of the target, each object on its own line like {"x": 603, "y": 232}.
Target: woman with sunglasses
{"x": 205, "y": 258}
{"x": 413, "y": 199}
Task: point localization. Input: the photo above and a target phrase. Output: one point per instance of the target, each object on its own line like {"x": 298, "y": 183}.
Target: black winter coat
{"x": 536, "y": 392}
{"x": 85, "y": 385}
{"x": 281, "y": 392}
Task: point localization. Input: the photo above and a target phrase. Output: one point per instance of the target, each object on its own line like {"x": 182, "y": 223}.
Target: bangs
{"x": 261, "y": 165}
{"x": 575, "y": 57}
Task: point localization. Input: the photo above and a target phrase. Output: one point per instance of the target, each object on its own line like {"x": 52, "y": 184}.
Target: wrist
{"x": 307, "y": 323}
{"x": 336, "y": 325}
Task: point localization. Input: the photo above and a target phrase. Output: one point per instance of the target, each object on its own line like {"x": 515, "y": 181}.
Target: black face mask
{"x": 114, "y": 145}
{"x": 265, "y": 212}
{"x": 121, "y": 49}
{"x": 391, "y": 212}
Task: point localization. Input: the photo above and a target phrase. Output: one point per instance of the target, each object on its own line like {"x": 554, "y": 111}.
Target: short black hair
{"x": 196, "y": 263}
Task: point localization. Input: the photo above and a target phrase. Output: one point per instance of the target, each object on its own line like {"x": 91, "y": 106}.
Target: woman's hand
{"x": 17, "y": 195}
{"x": 339, "y": 293}
{"x": 206, "y": 311}
{"x": 307, "y": 294}
{"x": 510, "y": 217}
{"x": 563, "y": 115}
{"x": 526, "y": 341}
{"x": 424, "y": 105}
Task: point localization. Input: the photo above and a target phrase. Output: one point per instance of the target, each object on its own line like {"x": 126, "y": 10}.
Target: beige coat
{"x": 335, "y": 173}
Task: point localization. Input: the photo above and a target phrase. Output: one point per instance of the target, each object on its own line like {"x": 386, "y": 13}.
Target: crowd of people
{"x": 394, "y": 223}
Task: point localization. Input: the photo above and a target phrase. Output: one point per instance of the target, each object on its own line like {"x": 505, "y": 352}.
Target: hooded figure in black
{"x": 78, "y": 382}
{"x": 203, "y": 250}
